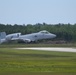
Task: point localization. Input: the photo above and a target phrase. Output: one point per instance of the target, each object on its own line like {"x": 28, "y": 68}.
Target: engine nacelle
{"x": 14, "y": 35}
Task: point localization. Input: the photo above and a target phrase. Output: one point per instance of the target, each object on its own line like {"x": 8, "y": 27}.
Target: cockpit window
{"x": 45, "y": 32}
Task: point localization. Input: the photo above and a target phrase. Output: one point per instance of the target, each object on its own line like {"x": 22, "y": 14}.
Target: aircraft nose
{"x": 54, "y": 35}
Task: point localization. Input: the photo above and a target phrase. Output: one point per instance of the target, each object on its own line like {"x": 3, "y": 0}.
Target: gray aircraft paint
{"x": 29, "y": 37}
{"x": 38, "y": 36}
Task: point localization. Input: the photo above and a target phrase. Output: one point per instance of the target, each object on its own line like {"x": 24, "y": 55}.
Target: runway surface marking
{"x": 51, "y": 49}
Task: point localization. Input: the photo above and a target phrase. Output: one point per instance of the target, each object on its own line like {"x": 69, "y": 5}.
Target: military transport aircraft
{"x": 26, "y": 38}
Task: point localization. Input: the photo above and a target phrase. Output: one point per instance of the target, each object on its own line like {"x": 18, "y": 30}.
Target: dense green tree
{"x": 65, "y": 32}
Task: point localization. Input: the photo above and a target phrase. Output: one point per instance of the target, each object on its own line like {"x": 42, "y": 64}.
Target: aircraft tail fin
{"x": 2, "y": 35}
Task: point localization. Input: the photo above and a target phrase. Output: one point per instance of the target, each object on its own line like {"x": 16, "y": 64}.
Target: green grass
{"x": 36, "y": 45}
{"x": 30, "y": 62}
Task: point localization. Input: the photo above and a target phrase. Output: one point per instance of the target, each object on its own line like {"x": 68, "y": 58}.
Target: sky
{"x": 37, "y": 11}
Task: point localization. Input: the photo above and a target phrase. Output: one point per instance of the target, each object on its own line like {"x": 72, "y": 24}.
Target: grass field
{"x": 30, "y": 62}
{"x": 36, "y": 45}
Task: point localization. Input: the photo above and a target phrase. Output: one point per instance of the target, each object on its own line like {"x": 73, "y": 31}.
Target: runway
{"x": 60, "y": 49}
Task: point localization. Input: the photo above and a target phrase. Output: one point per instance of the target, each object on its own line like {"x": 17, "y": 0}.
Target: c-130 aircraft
{"x": 33, "y": 37}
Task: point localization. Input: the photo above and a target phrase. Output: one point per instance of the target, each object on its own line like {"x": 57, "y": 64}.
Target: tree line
{"x": 66, "y": 32}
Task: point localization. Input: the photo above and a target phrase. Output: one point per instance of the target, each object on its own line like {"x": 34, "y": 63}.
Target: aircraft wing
{"x": 26, "y": 40}
{"x": 13, "y": 39}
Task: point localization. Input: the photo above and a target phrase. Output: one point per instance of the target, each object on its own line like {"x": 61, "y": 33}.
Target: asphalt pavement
{"x": 60, "y": 49}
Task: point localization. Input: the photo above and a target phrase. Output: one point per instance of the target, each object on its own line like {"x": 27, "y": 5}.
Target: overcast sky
{"x": 37, "y": 11}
